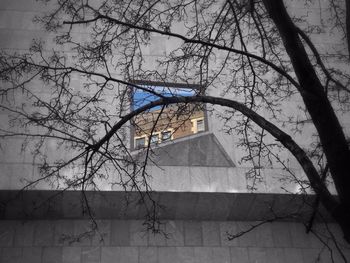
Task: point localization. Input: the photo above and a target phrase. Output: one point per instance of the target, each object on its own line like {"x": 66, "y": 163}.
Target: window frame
{"x": 138, "y": 138}
{"x": 170, "y": 137}
{"x": 195, "y": 125}
{"x": 203, "y": 129}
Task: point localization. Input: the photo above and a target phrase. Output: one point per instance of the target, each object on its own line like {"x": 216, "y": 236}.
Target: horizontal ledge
{"x": 49, "y": 204}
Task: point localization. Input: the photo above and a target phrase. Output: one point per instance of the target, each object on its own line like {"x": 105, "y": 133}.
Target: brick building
{"x": 168, "y": 127}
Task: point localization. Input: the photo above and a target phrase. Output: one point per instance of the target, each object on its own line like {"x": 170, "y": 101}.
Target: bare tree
{"x": 254, "y": 53}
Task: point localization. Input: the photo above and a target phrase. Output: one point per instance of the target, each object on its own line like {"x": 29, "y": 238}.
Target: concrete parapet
{"x": 211, "y": 244}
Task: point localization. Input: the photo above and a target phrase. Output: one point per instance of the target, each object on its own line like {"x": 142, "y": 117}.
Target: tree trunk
{"x": 347, "y": 24}
{"x": 326, "y": 122}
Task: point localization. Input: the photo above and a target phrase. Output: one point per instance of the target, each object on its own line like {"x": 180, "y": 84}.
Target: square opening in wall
{"x": 165, "y": 123}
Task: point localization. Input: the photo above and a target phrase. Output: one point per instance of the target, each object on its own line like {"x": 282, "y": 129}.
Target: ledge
{"x": 46, "y": 204}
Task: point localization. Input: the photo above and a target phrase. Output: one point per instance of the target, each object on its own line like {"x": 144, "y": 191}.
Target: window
{"x": 154, "y": 138}
{"x": 166, "y": 135}
{"x": 173, "y": 122}
{"x": 200, "y": 125}
{"x": 140, "y": 142}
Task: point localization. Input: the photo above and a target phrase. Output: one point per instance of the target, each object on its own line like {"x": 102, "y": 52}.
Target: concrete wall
{"x": 195, "y": 227}
{"x": 16, "y": 33}
{"x": 126, "y": 240}
{"x": 187, "y": 241}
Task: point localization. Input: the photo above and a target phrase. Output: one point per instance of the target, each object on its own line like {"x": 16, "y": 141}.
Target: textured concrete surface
{"x": 14, "y": 176}
{"x": 200, "y": 150}
{"x": 185, "y": 241}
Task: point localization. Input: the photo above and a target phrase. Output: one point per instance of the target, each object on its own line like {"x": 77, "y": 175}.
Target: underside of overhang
{"x": 36, "y": 204}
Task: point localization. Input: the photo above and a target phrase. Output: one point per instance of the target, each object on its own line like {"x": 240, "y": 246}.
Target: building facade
{"x": 206, "y": 211}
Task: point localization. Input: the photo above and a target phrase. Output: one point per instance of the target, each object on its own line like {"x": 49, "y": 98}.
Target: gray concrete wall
{"x": 187, "y": 241}
{"x": 16, "y": 33}
{"x": 126, "y": 240}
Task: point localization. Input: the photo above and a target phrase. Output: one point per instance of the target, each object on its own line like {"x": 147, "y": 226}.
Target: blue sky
{"x": 142, "y": 98}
